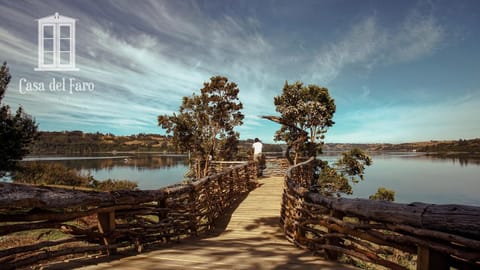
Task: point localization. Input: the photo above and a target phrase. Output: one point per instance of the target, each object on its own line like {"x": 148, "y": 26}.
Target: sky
{"x": 399, "y": 71}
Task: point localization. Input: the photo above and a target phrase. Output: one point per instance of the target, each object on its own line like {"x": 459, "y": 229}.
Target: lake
{"x": 413, "y": 176}
{"x": 419, "y": 178}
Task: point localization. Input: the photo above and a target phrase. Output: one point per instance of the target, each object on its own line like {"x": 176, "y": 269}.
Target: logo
{"x": 56, "y": 43}
{"x": 56, "y": 52}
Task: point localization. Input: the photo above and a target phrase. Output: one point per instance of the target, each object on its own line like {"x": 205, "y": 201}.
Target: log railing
{"x": 393, "y": 235}
{"x": 90, "y": 222}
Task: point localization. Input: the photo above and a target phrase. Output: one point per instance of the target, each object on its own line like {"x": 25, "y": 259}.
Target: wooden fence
{"x": 380, "y": 233}
{"x": 92, "y": 222}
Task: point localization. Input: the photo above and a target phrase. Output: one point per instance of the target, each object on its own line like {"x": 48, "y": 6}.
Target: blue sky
{"x": 399, "y": 71}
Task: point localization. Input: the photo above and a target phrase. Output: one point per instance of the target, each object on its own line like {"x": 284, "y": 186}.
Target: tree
{"x": 228, "y": 148}
{"x": 306, "y": 113}
{"x": 205, "y": 123}
{"x": 350, "y": 168}
{"x": 17, "y": 131}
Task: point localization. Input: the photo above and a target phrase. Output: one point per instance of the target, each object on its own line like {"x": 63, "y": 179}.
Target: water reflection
{"x": 462, "y": 160}
{"x": 150, "y": 171}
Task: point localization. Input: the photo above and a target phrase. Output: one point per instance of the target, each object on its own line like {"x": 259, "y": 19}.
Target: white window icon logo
{"x": 56, "y": 43}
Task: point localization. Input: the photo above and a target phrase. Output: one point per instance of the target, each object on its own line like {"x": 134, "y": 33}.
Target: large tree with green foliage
{"x": 204, "y": 125}
{"x": 306, "y": 113}
{"x": 17, "y": 131}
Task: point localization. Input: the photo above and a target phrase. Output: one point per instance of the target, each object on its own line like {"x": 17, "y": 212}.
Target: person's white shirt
{"x": 257, "y": 148}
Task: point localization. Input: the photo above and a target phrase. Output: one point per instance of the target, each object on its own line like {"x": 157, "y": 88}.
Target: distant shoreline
{"x": 470, "y": 155}
{"x": 72, "y": 156}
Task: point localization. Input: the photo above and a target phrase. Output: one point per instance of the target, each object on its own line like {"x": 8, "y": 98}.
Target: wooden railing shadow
{"x": 123, "y": 221}
{"x": 218, "y": 252}
{"x": 275, "y": 231}
{"x": 218, "y": 227}
{"x": 393, "y": 235}
{"x": 221, "y": 223}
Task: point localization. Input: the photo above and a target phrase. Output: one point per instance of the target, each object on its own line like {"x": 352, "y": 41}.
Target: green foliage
{"x": 352, "y": 163}
{"x": 383, "y": 194}
{"x": 350, "y": 168}
{"x": 38, "y": 173}
{"x": 17, "y": 131}
{"x": 306, "y": 112}
{"x": 5, "y": 78}
{"x": 113, "y": 184}
{"x": 228, "y": 148}
{"x": 330, "y": 182}
{"x": 205, "y": 123}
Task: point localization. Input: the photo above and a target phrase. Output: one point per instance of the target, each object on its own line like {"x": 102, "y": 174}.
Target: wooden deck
{"x": 248, "y": 238}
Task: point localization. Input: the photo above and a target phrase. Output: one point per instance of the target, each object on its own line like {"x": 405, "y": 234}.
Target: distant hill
{"x": 78, "y": 142}
{"x": 375, "y": 147}
{"x": 460, "y": 146}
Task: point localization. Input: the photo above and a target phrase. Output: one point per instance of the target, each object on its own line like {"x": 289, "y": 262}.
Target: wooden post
{"x": 193, "y": 226}
{"x": 106, "y": 225}
{"x": 250, "y": 176}
{"x": 428, "y": 259}
{"x": 162, "y": 204}
{"x": 333, "y": 241}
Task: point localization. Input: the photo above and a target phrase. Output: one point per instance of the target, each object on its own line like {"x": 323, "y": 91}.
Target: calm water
{"x": 414, "y": 177}
{"x": 419, "y": 178}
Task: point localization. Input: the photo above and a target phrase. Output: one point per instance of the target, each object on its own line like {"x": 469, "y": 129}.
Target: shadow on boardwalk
{"x": 248, "y": 236}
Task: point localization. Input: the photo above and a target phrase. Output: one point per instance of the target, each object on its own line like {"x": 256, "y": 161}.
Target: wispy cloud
{"x": 418, "y": 36}
{"x": 370, "y": 45}
{"x": 145, "y": 69}
{"x": 358, "y": 46}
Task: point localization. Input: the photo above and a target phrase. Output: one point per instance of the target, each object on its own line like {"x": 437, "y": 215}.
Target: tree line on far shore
{"x": 82, "y": 143}
{"x": 462, "y": 146}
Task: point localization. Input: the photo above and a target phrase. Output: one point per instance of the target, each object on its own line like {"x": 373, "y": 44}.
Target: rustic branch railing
{"x": 393, "y": 235}
{"x": 107, "y": 222}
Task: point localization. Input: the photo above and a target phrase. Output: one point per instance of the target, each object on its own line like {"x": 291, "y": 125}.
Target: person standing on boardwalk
{"x": 258, "y": 156}
{"x": 257, "y": 150}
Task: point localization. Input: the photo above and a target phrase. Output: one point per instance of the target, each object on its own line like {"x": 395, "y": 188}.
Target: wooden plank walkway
{"x": 249, "y": 238}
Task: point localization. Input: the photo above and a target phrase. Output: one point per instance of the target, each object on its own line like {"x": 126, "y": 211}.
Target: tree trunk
{"x": 205, "y": 168}
{"x": 44, "y": 197}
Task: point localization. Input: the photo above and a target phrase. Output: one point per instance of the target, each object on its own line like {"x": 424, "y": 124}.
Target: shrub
{"x": 383, "y": 194}
{"x": 38, "y": 173}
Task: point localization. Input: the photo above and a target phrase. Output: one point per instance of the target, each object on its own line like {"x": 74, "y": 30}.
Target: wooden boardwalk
{"x": 248, "y": 238}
